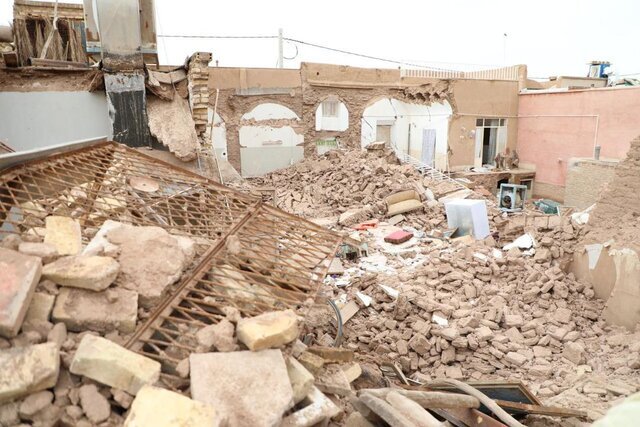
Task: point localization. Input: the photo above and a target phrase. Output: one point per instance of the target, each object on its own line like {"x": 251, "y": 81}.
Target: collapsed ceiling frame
{"x": 250, "y": 256}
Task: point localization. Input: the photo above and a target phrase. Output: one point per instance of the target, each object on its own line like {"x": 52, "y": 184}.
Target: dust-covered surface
{"x": 171, "y": 123}
{"x": 467, "y": 310}
{"x": 32, "y": 79}
{"x": 617, "y": 212}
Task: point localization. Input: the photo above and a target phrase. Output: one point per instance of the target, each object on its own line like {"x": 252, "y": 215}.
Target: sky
{"x": 556, "y": 37}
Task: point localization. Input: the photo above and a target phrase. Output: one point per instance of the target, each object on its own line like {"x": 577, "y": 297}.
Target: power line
{"x": 181, "y": 36}
{"x": 302, "y": 42}
{"x": 361, "y": 55}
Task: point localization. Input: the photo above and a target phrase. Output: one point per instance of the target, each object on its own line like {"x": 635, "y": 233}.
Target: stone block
{"x": 332, "y": 354}
{"x": 158, "y": 407}
{"x": 515, "y": 358}
{"x": 311, "y": 361}
{"x": 300, "y": 378}
{"x": 318, "y": 409}
{"x": 26, "y": 370}
{"x": 80, "y": 310}
{"x": 45, "y": 251}
{"x": 252, "y": 388}
{"x": 108, "y": 363}
{"x": 95, "y": 273}
{"x": 331, "y": 379}
{"x": 19, "y": 275}
{"x": 150, "y": 260}
{"x": 40, "y": 308}
{"x": 268, "y": 330}
{"x": 64, "y": 234}
{"x": 573, "y": 352}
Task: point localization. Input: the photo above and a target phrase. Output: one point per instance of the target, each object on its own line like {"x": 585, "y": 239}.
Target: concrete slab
{"x": 26, "y": 370}
{"x": 253, "y": 387}
{"x": 19, "y": 275}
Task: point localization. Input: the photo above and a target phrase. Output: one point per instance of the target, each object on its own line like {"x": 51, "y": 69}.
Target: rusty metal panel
{"x": 251, "y": 256}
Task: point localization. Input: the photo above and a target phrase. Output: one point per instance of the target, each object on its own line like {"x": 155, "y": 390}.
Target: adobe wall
{"x": 240, "y": 90}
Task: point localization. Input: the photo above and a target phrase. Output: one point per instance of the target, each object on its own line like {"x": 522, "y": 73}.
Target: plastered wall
{"x": 457, "y": 103}
{"x": 40, "y": 119}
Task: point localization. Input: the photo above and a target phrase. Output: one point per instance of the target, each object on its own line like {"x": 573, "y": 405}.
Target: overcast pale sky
{"x": 553, "y": 37}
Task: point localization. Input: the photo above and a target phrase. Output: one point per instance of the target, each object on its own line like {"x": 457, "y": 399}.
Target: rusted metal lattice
{"x": 253, "y": 257}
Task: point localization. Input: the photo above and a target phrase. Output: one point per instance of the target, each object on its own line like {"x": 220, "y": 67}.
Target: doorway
{"x": 491, "y": 139}
{"x": 428, "y": 146}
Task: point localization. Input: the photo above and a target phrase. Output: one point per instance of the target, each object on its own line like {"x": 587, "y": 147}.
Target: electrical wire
{"x": 302, "y": 42}
{"x": 186, "y": 36}
{"x": 361, "y": 55}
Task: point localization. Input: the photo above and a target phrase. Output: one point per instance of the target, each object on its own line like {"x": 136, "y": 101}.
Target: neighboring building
{"x": 558, "y": 128}
{"x": 270, "y": 118}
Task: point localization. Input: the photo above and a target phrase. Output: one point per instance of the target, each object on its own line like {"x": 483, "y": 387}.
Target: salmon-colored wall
{"x": 549, "y": 142}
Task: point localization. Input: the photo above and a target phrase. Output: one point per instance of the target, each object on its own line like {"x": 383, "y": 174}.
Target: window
{"x": 330, "y": 108}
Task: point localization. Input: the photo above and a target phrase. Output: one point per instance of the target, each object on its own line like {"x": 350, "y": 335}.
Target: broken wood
{"x": 430, "y": 399}
{"x": 468, "y": 418}
{"x": 484, "y": 399}
{"x": 412, "y": 410}
{"x": 39, "y": 62}
{"x": 541, "y": 410}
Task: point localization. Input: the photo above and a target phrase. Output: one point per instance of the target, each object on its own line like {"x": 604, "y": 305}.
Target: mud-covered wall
{"x": 239, "y": 90}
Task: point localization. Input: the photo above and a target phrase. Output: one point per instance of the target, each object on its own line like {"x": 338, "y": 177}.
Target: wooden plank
{"x": 468, "y": 418}
{"x": 37, "y": 62}
{"x": 541, "y": 410}
{"x": 10, "y": 58}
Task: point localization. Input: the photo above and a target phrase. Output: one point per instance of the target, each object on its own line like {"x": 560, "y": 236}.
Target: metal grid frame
{"x": 252, "y": 256}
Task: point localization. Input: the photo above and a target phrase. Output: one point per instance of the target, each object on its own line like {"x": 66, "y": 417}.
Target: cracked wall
{"x": 240, "y": 90}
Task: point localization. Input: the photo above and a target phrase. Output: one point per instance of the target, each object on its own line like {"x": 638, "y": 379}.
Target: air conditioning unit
{"x": 511, "y": 197}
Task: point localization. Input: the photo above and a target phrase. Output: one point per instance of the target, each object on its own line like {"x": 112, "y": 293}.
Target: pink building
{"x": 554, "y": 127}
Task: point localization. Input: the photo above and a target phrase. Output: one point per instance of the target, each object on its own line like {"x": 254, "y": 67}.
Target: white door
{"x": 502, "y": 139}
{"x": 428, "y": 146}
{"x": 477, "y": 160}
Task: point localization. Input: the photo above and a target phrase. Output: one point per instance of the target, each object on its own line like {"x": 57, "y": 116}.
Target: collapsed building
{"x": 316, "y": 246}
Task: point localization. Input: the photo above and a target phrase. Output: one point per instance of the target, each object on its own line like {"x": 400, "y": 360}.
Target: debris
{"x": 150, "y": 260}
{"x": 318, "y": 409}
{"x": 158, "y": 407}
{"x": 19, "y": 275}
{"x": 95, "y": 273}
{"x": 332, "y": 379}
{"x": 348, "y": 311}
{"x": 106, "y": 362}
{"x": 26, "y": 370}
{"x": 388, "y": 413}
{"x": 227, "y": 381}
{"x": 45, "y": 251}
{"x": 523, "y": 242}
{"x": 390, "y": 291}
{"x": 81, "y": 309}
{"x": 39, "y": 311}
{"x": 398, "y": 237}
{"x": 332, "y": 354}
{"x": 64, "y": 234}
{"x": 35, "y": 403}
{"x": 301, "y": 379}
{"x": 268, "y": 330}
{"x": 469, "y": 217}
{"x": 412, "y": 410}
{"x": 364, "y": 299}
{"x": 336, "y": 267}
{"x": 95, "y": 406}
{"x": 219, "y": 336}
{"x": 403, "y": 202}
{"x": 311, "y": 361}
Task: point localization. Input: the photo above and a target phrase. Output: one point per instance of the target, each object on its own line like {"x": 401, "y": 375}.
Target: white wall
{"x": 219, "y": 134}
{"x": 40, "y": 119}
{"x": 339, "y": 123}
{"x": 268, "y": 111}
{"x": 404, "y": 116}
{"x": 264, "y": 148}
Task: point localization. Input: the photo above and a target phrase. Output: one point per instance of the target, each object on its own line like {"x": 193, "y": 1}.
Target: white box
{"x": 469, "y": 216}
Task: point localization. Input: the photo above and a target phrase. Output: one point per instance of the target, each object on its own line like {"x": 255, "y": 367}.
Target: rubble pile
{"x": 460, "y": 308}
{"x": 343, "y": 180}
